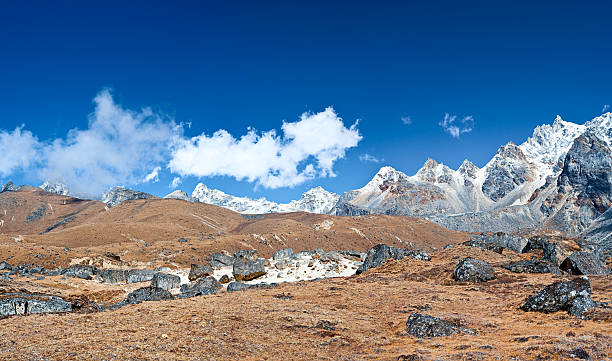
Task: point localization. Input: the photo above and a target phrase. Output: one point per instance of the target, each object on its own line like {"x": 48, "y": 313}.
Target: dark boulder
{"x": 583, "y": 263}
{"x": 515, "y": 243}
{"x": 198, "y": 271}
{"x": 572, "y": 296}
{"x": 5, "y": 266}
{"x": 473, "y": 270}
{"x": 165, "y": 281}
{"x": 148, "y": 294}
{"x": 219, "y": 260}
{"x": 224, "y": 279}
{"x": 246, "y": 270}
{"x": 554, "y": 253}
{"x": 282, "y": 254}
{"x": 380, "y": 253}
{"x": 23, "y": 304}
{"x": 137, "y": 275}
{"x": 530, "y": 266}
{"x": 203, "y": 286}
{"x": 239, "y": 286}
{"x": 493, "y": 247}
{"x": 421, "y": 326}
{"x": 80, "y": 271}
{"x": 113, "y": 276}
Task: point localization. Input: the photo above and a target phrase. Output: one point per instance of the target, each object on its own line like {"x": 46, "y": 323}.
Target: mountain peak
{"x": 120, "y": 194}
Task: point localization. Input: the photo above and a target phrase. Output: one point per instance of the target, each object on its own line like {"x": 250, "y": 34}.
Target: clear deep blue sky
{"x": 231, "y": 64}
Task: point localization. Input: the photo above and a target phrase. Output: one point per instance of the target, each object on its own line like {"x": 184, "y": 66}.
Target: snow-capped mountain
{"x": 57, "y": 188}
{"x": 178, "y": 194}
{"x": 316, "y": 200}
{"x": 119, "y": 194}
{"x": 561, "y": 176}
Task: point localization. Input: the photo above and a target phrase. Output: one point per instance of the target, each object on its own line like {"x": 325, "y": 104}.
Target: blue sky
{"x": 236, "y": 65}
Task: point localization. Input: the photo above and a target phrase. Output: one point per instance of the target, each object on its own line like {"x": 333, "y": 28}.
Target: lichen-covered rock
{"x": 515, "y": 243}
{"x": 239, "y": 286}
{"x": 561, "y": 296}
{"x": 583, "y": 263}
{"x": 5, "y": 266}
{"x": 137, "y": 275}
{"x": 80, "y": 271}
{"x": 473, "y": 270}
{"x": 247, "y": 254}
{"x": 148, "y": 294}
{"x": 24, "y": 303}
{"x": 486, "y": 246}
{"x": 224, "y": 279}
{"x": 203, "y": 286}
{"x": 380, "y": 253}
{"x": 421, "y": 326}
{"x": 113, "y": 276}
{"x": 198, "y": 271}
{"x": 165, "y": 281}
{"x": 529, "y": 266}
{"x": 219, "y": 260}
{"x": 283, "y": 253}
{"x": 554, "y": 252}
{"x": 246, "y": 270}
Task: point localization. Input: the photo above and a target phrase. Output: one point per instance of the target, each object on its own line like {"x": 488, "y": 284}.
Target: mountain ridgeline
{"x": 559, "y": 179}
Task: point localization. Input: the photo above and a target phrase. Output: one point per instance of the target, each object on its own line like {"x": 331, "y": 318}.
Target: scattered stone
{"x": 579, "y": 353}
{"x": 282, "y": 254}
{"x": 573, "y": 296}
{"x": 380, "y": 253}
{"x": 493, "y": 247}
{"x": 282, "y": 264}
{"x": 530, "y": 266}
{"x": 473, "y": 270}
{"x": 112, "y": 256}
{"x": 248, "y": 254}
{"x": 165, "y": 281}
{"x": 517, "y": 244}
{"x": 5, "y": 266}
{"x": 219, "y": 260}
{"x": 203, "y": 286}
{"x": 246, "y": 270}
{"x": 136, "y": 275}
{"x": 224, "y": 279}
{"x": 421, "y": 326}
{"x": 583, "y": 263}
{"x": 80, "y": 271}
{"x": 113, "y": 276}
{"x": 148, "y": 294}
{"x": 24, "y": 303}
{"x": 182, "y": 240}
{"x": 198, "y": 271}
{"x": 239, "y": 286}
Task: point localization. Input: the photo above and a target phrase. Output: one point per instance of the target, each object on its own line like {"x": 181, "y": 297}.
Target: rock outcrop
{"x": 422, "y": 326}
{"x": 473, "y": 270}
{"x": 573, "y": 296}
{"x": 380, "y": 253}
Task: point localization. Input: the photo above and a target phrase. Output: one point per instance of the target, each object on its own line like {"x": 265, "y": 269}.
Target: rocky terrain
{"x": 173, "y": 279}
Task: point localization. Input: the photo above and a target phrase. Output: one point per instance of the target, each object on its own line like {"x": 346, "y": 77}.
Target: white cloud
{"x": 19, "y": 149}
{"x": 175, "y": 182}
{"x": 369, "y": 158}
{"x": 406, "y": 120}
{"x": 153, "y": 176}
{"x": 605, "y": 108}
{"x": 455, "y": 127}
{"x": 307, "y": 149}
{"x": 118, "y": 147}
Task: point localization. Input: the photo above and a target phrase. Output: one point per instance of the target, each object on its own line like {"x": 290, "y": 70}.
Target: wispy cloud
{"x": 605, "y": 108}
{"x": 153, "y": 176}
{"x": 176, "y": 181}
{"x": 406, "y": 120}
{"x": 19, "y": 149}
{"x": 306, "y": 149}
{"x": 456, "y": 126}
{"x": 369, "y": 158}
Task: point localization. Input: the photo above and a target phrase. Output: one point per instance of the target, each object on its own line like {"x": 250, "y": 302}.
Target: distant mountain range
{"x": 559, "y": 179}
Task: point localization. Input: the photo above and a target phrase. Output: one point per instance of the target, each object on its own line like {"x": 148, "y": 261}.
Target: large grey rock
{"x": 148, "y": 294}
{"x": 239, "y": 286}
{"x": 23, "y": 304}
{"x": 493, "y": 247}
{"x": 203, "y": 286}
{"x": 421, "y": 326}
{"x": 380, "y": 253}
{"x": 246, "y": 270}
{"x": 515, "y": 243}
{"x": 530, "y": 266}
{"x": 219, "y": 260}
{"x": 5, "y": 266}
{"x": 247, "y": 254}
{"x": 165, "y": 281}
{"x": 473, "y": 270}
{"x": 282, "y": 254}
{"x": 80, "y": 271}
{"x": 584, "y": 263}
{"x": 137, "y": 275}
{"x": 554, "y": 252}
{"x": 198, "y": 271}
{"x": 113, "y": 276}
{"x": 572, "y": 296}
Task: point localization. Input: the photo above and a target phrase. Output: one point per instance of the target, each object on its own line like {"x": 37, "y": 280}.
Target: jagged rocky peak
{"x": 549, "y": 142}
{"x": 315, "y": 200}
{"x": 179, "y": 194}
{"x": 10, "y": 187}
{"x": 602, "y": 127}
{"x": 119, "y": 194}
{"x": 55, "y": 187}
{"x": 508, "y": 169}
{"x": 468, "y": 169}
{"x": 434, "y": 172}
